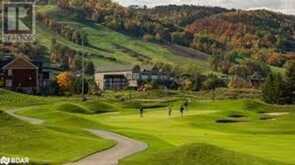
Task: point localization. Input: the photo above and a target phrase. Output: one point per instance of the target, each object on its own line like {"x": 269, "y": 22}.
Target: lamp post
{"x": 83, "y": 74}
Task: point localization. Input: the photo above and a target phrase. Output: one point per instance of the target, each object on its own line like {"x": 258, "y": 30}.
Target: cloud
{"x": 286, "y": 6}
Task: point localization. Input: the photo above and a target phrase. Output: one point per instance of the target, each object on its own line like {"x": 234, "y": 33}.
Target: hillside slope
{"x": 110, "y": 49}
{"x": 260, "y": 29}
{"x": 262, "y": 35}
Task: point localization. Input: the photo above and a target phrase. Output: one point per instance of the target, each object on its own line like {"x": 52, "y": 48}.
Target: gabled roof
{"x": 4, "y": 62}
{"x": 20, "y": 62}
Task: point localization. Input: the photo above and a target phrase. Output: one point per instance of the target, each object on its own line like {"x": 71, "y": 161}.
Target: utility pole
{"x": 83, "y": 73}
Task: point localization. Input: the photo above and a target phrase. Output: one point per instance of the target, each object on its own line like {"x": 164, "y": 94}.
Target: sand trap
{"x": 231, "y": 120}
{"x": 276, "y": 114}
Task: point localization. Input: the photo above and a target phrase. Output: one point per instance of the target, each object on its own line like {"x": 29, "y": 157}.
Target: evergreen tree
{"x": 90, "y": 68}
{"x": 78, "y": 86}
{"x": 275, "y": 90}
{"x": 290, "y": 74}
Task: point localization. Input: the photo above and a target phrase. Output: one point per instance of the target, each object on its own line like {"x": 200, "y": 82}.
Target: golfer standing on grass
{"x": 181, "y": 110}
{"x": 141, "y": 111}
{"x": 169, "y": 110}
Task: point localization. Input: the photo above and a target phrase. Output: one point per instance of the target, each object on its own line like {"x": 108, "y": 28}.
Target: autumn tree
{"x": 65, "y": 81}
{"x": 276, "y": 59}
{"x": 206, "y": 43}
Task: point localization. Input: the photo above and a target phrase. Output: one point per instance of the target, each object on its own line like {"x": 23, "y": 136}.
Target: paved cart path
{"x": 125, "y": 146}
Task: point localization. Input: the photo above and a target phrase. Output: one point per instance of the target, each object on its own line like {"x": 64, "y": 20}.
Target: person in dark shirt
{"x": 181, "y": 110}
{"x": 141, "y": 111}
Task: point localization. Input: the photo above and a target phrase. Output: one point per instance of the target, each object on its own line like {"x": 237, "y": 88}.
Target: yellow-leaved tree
{"x": 65, "y": 81}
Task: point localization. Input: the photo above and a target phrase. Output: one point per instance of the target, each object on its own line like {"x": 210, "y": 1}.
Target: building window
{"x": 9, "y": 72}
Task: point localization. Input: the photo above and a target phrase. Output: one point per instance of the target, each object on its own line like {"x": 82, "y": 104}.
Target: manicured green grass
{"x": 11, "y": 99}
{"x": 261, "y": 139}
{"x": 73, "y": 108}
{"x": 46, "y": 144}
{"x": 269, "y": 140}
{"x": 197, "y": 137}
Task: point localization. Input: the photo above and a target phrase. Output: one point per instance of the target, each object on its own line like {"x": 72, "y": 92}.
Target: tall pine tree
{"x": 290, "y": 74}
{"x": 268, "y": 89}
{"x": 274, "y": 90}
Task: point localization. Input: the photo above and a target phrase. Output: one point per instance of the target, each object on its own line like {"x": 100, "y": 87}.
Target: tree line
{"x": 280, "y": 89}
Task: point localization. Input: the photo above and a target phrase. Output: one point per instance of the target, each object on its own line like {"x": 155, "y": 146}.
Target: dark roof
{"x": 111, "y": 71}
{"x": 4, "y": 61}
{"x": 20, "y": 62}
{"x": 7, "y": 59}
{"x": 38, "y": 63}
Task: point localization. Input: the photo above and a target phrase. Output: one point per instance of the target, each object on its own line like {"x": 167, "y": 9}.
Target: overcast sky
{"x": 286, "y": 6}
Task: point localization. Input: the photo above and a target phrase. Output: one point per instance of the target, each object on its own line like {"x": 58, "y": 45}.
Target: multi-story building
{"x": 121, "y": 79}
{"x": 116, "y": 80}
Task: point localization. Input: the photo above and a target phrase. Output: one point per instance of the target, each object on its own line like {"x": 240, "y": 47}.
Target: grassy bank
{"x": 44, "y": 144}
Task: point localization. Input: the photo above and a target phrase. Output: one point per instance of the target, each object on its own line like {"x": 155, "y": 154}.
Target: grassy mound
{"x": 72, "y": 108}
{"x": 57, "y": 117}
{"x": 12, "y": 99}
{"x": 99, "y": 106}
{"x": 89, "y": 107}
{"x": 44, "y": 145}
{"x": 204, "y": 154}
